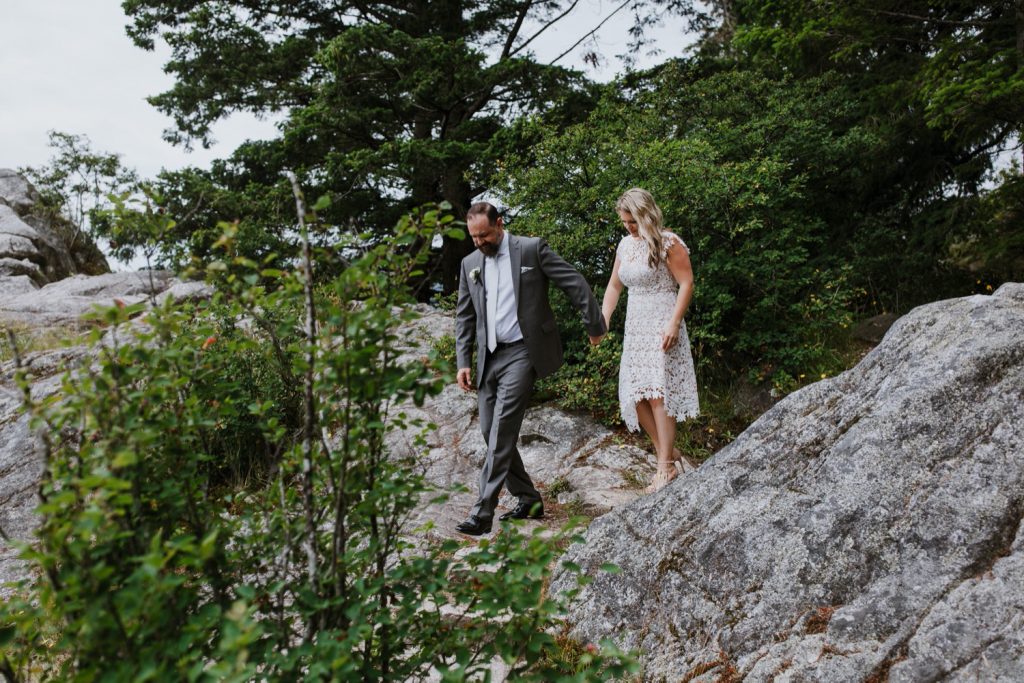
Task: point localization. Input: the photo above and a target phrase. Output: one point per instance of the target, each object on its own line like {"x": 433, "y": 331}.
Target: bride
{"x": 657, "y": 385}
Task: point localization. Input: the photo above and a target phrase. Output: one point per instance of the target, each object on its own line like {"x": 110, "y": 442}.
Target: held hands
{"x": 594, "y": 341}
{"x": 463, "y": 380}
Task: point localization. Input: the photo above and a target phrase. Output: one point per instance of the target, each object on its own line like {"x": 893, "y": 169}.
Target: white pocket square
{"x": 525, "y": 269}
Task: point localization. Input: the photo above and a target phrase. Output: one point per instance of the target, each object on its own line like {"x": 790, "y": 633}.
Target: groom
{"x": 503, "y": 310}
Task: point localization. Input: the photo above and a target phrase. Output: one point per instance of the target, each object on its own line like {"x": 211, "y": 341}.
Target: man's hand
{"x": 594, "y": 341}
{"x": 462, "y": 379}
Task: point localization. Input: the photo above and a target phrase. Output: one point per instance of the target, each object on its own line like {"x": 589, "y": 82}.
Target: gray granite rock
{"x": 63, "y": 303}
{"x": 16, "y": 192}
{"x": 37, "y": 243}
{"x": 13, "y": 267}
{"x": 20, "y": 452}
{"x": 12, "y": 244}
{"x": 41, "y": 247}
{"x": 15, "y": 285}
{"x": 976, "y": 632}
{"x": 558, "y": 449}
{"x": 868, "y": 525}
{"x": 186, "y": 291}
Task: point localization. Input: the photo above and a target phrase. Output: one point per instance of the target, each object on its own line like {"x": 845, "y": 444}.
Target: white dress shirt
{"x": 501, "y": 297}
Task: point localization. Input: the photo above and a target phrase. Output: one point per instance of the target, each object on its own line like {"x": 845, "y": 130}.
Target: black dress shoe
{"x": 525, "y": 511}
{"x": 474, "y": 526}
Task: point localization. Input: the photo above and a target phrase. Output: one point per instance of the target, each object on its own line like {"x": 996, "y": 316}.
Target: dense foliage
{"x": 942, "y": 85}
{"x": 753, "y": 215}
{"x": 154, "y": 563}
{"x": 822, "y": 162}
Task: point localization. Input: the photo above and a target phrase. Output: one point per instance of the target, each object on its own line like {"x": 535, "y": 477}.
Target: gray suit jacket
{"x": 534, "y": 264}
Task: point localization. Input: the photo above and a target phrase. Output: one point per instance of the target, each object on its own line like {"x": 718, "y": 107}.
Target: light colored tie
{"x": 491, "y": 281}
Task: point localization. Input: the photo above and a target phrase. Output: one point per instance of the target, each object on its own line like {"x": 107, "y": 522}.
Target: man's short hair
{"x": 485, "y": 208}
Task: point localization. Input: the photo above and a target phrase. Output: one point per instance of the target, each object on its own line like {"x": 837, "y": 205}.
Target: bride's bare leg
{"x": 647, "y": 414}
{"x": 665, "y": 425}
{"x": 646, "y": 419}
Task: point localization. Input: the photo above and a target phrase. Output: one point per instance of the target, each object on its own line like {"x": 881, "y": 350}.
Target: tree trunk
{"x": 456, "y": 193}
{"x": 723, "y": 35}
{"x": 1020, "y": 64}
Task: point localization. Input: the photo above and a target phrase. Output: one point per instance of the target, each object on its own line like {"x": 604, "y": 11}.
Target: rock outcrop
{"x": 33, "y": 243}
{"x": 63, "y": 304}
{"x": 21, "y": 463}
{"x": 868, "y": 527}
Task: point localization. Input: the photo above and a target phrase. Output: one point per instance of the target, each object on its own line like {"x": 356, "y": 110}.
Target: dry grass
{"x": 29, "y": 339}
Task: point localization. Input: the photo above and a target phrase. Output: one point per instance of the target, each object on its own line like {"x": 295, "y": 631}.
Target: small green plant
{"x": 447, "y": 302}
{"x": 557, "y": 486}
{"x": 28, "y": 339}
{"x": 575, "y": 509}
{"x": 442, "y": 351}
{"x": 572, "y": 658}
{"x": 632, "y": 479}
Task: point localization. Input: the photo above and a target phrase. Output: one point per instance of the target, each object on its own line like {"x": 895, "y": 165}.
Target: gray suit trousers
{"x": 503, "y": 395}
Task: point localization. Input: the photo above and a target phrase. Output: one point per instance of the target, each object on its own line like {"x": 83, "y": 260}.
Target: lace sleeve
{"x": 618, "y": 249}
{"x": 668, "y": 240}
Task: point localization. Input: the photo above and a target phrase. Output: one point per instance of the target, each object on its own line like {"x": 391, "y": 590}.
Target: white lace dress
{"x": 646, "y": 371}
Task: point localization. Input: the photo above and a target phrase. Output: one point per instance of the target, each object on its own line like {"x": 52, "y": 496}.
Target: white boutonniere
{"x": 525, "y": 269}
{"x": 474, "y": 275}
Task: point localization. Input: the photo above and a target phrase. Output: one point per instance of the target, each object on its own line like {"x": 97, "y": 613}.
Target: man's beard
{"x": 489, "y": 249}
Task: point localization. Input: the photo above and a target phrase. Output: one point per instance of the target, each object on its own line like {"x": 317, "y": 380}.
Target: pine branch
{"x": 591, "y": 32}
{"x": 546, "y": 26}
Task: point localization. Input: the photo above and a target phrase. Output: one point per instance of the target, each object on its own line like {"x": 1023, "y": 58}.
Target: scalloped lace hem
{"x": 680, "y": 412}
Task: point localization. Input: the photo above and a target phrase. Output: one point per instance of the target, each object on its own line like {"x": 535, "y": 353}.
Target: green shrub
{"x": 240, "y": 367}
{"x": 443, "y": 350}
{"x": 447, "y": 302}
{"x": 589, "y": 384}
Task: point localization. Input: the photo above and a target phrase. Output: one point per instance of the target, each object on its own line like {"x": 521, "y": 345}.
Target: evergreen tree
{"x": 386, "y": 104}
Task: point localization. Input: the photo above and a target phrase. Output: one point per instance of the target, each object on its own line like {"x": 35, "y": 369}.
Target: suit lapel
{"x": 476, "y": 289}
{"x": 515, "y": 260}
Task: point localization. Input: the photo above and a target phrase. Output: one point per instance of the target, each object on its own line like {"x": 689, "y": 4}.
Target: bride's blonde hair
{"x": 641, "y": 205}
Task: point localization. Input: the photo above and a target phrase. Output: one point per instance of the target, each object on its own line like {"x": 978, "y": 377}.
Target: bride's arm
{"x": 678, "y": 263}
{"x": 611, "y": 294}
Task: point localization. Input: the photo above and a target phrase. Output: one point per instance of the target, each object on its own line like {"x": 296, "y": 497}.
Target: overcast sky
{"x": 67, "y": 65}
